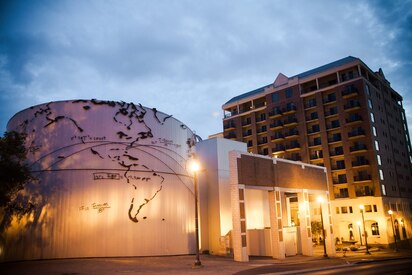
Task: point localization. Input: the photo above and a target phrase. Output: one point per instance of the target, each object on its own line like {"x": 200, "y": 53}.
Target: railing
{"x": 276, "y": 123}
{"x": 292, "y": 133}
{"x": 349, "y": 90}
{"x": 340, "y": 196}
{"x": 353, "y": 119}
{"x": 364, "y": 192}
{"x": 275, "y": 112}
{"x": 351, "y": 105}
{"x": 335, "y": 139}
{"x": 279, "y": 148}
{"x": 229, "y": 125}
{"x": 358, "y": 148}
{"x": 277, "y": 136}
{"x": 311, "y": 131}
{"x": 338, "y": 167}
{"x": 359, "y": 132}
{"x": 362, "y": 178}
{"x": 231, "y": 135}
{"x": 360, "y": 163}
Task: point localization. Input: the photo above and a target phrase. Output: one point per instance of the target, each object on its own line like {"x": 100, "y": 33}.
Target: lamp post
{"x": 320, "y": 200}
{"x": 390, "y": 212}
{"x": 360, "y": 234}
{"x": 195, "y": 167}
{"x": 364, "y": 229}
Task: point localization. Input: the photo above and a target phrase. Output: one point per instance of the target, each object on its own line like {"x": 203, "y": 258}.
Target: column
{"x": 237, "y": 194}
{"x": 330, "y": 239}
{"x": 305, "y": 226}
{"x": 276, "y": 226}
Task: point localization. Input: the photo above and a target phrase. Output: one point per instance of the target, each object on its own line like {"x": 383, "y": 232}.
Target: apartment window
{"x": 383, "y": 189}
{"x": 350, "y": 209}
{"x": 367, "y": 89}
{"x": 337, "y": 210}
{"x": 375, "y": 229}
{"x": 288, "y": 93}
{"x": 344, "y": 210}
{"x": 370, "y": 103}
{"x": 372, "y": 117}
{"x": 342, "y": 178}
{"x": 376, "y": 145}
{"x": 375, "y": 208}
{"x": 368, "y": 208}
{"x": 381, "y": 174}
{"x": 374, "y": 131}
{"x": 275, "y": 97}
{"x": 378, "y": 157}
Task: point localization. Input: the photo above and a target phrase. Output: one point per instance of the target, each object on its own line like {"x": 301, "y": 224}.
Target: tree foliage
{"x": 14, "y": 175}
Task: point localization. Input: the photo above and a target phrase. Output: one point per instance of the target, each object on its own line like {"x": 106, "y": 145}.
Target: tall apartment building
{"x": 347, "y": 118}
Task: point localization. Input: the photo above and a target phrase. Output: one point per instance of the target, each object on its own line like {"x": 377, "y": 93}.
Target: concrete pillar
{"x": 276, "y": 225}
{"x": 305, "y": 226}
{"x": 237, "y": 195}
{"x": 327, "y": 221}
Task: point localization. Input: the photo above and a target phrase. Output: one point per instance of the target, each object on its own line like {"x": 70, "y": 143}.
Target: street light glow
{"x": 194, "y": 166}
{"x": 361, "y": 206}
{"x": 320, "y": 199}
{"x": 358, "y": 223}
{"x": 390, "y": 212}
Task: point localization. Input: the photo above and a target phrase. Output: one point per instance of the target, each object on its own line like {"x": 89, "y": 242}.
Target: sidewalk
{"x": 184, "y": 264}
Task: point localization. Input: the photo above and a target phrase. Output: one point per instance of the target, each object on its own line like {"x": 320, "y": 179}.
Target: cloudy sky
{"x": 187, "y": 58}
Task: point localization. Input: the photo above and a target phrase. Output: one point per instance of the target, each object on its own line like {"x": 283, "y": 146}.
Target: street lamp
{"x": 390, "y": 212}
{"x": 362, "y": 207}
{"x": 320, "y": 200}
{"x": 195, "y": 167}
{"x": 360, "y": 234}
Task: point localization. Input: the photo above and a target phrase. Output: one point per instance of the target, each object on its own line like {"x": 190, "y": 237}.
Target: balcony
{"x": 290, "y": 122}
{"x": 246, "y": 123}
{"x": 354, "y": 119}
{"x": 315, "y": 143}
{"x": 293, "y": 146}
{"x": 276, "y": 112}
{"x": 290, "y": 109}
{"x": 327, "y": 101}
{"x": 338, "y": 167}
{"x": 231, "y": 136}
{"x": 229, "y": 126}
{"x": 309, "y": 105}
{"x": 246, "y": 134}
{"x": 292, "y": 133}
{"x": 340, "y": 195}
{"x": 360, "y": 163}
{"x": 313, "y": 131}
{"x": 277, "y": 124}
{"x": 261, "y": 130}
{"x": 356, "y": 134}
{"x": 349, "y": 91}
{"x": 295, "y": 158}
{"x": 358, "y": 148}
{"x": 312, "y": 118}
{"x": 352, "y": 105}
{"x": 316, "y": 157}
{"x": 334, "y": 139}
{"x": 277, "y": 137}
{"x": 331, "y": 113}
{"x": 342, "y": 180}
{"x": 262, "y": 142}
{"x": 332, "y": 126}
{"x": 360, "y": 178}
{"x": 336, "y": 154}
{"x": 366, "y": 191}
{"x": 278, "y": 148}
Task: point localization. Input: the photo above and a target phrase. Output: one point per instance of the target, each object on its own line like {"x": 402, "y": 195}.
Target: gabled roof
{"x": 320, "y": 69}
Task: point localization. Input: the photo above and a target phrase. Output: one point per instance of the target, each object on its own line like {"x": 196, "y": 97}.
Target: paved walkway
{"x": 184, "y": 264}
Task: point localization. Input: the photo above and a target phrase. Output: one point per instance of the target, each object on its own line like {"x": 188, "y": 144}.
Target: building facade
{"x": 347, "y": 118}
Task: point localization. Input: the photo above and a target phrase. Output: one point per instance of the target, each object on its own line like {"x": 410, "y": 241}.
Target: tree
{"x": 14, "y": 175}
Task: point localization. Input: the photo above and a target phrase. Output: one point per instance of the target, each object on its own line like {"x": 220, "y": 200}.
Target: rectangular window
{"x": 368, "y": 92}
{"x": 375, "y": 208}
{"x": 288, "y": 93}
{"x": 350, "y": 209}
{"x": 379, "y": 159}
{"x": 376, "y": 145}
{"x": 344, "y": 209}
{"x": 381, "y": 174}
{"x": 374, "y": 131}
{"x": 368, "y": 208}
{"x": 370, "y": 103}
{"x": 383, "y": 189}
{"x": 337, "y": 210}
{"x": 275, "y": 97}
{"x": 372, "y": 117}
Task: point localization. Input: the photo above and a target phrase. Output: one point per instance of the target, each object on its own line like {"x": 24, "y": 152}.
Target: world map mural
{"x": 111, "y": 181}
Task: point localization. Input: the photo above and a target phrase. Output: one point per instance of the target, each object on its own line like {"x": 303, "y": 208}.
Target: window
{"x": 370, "y": 103}
{"x": 375, "y": 208}
{"x": 368, "y": 208}
{"x": 288, "y": 93}
{"x": 376, "y": 145}
{"x": 379, "y": 159}
{"x": 375, "y": 229}
{"x": 374, "y": 131}
{"x": 372, "y": 117}
{"x": 350, "y": 209}
{"x": 344, "y": 209}
{"x": 342, "y": 178}
{"x": 383, "y": 189}
{"x": 367, "y": 89}
{"x": 381, "y": 174}
{"x": 275, "y": 97}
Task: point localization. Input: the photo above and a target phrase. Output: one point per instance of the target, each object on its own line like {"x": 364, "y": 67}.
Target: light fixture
{"x": 320, "y": 200}
{"x": 362, "y": 207}
{"x": 390, "y": 212}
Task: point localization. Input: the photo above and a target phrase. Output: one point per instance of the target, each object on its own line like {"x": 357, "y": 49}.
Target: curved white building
{"x": 112, "y": 181}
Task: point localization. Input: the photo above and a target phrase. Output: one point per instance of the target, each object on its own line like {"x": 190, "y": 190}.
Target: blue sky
{"x": 187, "y": 58}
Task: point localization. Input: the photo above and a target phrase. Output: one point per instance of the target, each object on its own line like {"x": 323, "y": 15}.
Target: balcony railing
{"x": 290, "y": 121}
{"x": 359, "y": 132}
{"x": 315, "y": 143}
{"x": 276, "y": 124}
{"x": 334, "y": 154}
{"x": 353, "y": 119}
{"x": 288, "y": 109}
{"x": 362, "y": 178}
{"x": 331, "y": 113}
{"x": 359, "y": 147}
{"x": 291, "y": 146}
{"x": 316, "y": 156}
{"x": 312, "y": 130}
{"x": 360, "y": 163}
{"x": 364, "y": 192}
{"x": 246, "y": 122}
{"x": 349, "y": 91}
{"x": 277, "y": 136}
{"x": 275, "y": 112}
{"x": 340, "y": 195}
{"x": 291, "y": 133}
{"x": 351, "y": 105}
{"x": 309, "y": 105}
{"x": 230, "y": 125}
{"x": 334, "y": 139}
{"x": 338, "y": 167}
{"x": 339, "y": 180}
{"x": 279, "y": 148}
{"x": 231, "y": 135}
